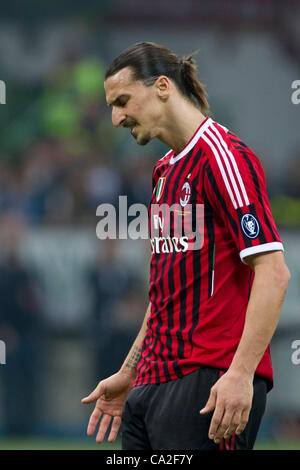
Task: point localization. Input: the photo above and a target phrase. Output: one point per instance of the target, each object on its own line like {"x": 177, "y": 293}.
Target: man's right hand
{"x": 110, "y": 395}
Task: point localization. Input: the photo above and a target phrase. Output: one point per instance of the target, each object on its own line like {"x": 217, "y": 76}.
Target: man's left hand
{"x": 231, "y": 398}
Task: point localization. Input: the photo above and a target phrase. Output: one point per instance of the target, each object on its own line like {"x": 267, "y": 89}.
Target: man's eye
{"x": 123, "y": 102}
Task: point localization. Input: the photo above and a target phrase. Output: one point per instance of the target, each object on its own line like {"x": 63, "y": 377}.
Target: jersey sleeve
{"x": 235, "y": 186}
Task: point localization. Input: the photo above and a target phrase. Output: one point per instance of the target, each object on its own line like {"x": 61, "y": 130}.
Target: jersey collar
{"x": 192, "y": 142}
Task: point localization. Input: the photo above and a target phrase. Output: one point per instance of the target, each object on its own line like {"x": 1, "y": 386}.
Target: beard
{"x": 143, "y": 139}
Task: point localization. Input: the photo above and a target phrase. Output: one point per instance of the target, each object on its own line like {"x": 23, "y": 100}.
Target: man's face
{"x": 134, "y": 105}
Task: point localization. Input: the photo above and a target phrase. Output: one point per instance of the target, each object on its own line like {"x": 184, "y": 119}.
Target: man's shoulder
{"x": 165, "y": 158}
{"x": 224, "y": 148}
{"x": 163, "y": 161}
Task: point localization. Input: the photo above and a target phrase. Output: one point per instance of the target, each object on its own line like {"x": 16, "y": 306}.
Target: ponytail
{"x": 194, "y": 89}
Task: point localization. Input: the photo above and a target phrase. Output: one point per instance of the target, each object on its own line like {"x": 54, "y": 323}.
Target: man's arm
{"x": 111, "y": 393}
{"x": 130, "y": 364}
{"x": 269, "y": 288}
{"x": 231, "y": 396}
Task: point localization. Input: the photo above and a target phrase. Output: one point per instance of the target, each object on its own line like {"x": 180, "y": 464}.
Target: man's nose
{"x": 118, "y": 117}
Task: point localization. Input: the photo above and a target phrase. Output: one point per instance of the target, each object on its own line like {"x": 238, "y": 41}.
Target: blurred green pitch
{"x": 83, "y": 444}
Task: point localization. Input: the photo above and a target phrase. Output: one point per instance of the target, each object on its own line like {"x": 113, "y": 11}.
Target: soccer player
{"x": 198, "y": 373}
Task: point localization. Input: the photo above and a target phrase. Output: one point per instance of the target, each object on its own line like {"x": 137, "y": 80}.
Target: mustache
{"x": 129, "y": 123}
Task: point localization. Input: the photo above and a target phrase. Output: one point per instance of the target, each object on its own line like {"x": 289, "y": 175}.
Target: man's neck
{"x": 180, "y": 125}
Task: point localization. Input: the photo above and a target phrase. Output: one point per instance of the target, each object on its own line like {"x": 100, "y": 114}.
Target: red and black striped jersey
{"x": 199, "y": 294}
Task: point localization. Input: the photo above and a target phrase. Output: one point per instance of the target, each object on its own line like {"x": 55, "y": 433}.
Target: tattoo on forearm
{"x": 134, "y": 358}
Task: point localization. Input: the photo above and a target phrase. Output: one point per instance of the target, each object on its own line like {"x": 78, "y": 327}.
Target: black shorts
{"x": 166, "y": 416}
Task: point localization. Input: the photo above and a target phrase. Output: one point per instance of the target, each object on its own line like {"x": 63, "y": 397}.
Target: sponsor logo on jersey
{"x": 250, "y": 226}
{"x": 185, "y": 194}
{"x": 169, "y": 244}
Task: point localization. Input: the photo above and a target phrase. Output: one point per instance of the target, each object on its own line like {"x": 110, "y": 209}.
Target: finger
{"x": 95, "y": 416}
{"x": 235, "y": 421}
{"x": 224, "y": 425}
{"x": 216, "y": 420}
{"x": 243, "y": 421}
{"x": 210, "y": 404}
{"x": 103, "y": 427}
{"x": 94, "y": 395}
{"x": 114, "y": 428}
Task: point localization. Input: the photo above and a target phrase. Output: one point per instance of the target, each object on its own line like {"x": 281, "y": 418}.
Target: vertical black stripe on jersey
{"x": 247, "y": 240}
{"x": 196, "y": 294}
{"x": 261, "y": 235}
{"x": 216, "y": 190}
{"x": 236, "y": 140}
{"x": 208, "y": 218}
{"x": 153, "y": 180}
{"x": 258, "y": 190}
{"x": 182, "y": 296}
{"x": 209, "y": 224}
{"x": 159, "y": 325}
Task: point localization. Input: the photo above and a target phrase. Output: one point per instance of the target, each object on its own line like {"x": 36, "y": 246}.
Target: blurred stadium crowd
{"x": 60, "y": 159}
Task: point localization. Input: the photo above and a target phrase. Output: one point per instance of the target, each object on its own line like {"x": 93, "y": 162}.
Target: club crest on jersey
{"x": 185, "y": 194}
{"x": 250, "y": 226}
{"x": 160, "y": 187}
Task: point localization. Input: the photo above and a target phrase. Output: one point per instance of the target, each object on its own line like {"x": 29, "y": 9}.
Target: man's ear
{"x": 163, "y": 87}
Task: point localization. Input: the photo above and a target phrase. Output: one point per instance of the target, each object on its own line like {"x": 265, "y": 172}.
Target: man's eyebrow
{"x": 116, "y": 99}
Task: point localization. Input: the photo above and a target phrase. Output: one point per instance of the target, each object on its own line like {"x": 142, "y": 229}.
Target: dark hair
{"x": 149, "y": 61}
